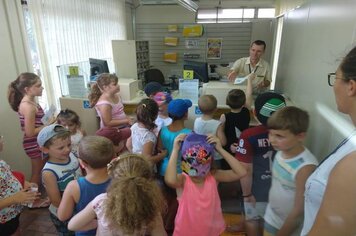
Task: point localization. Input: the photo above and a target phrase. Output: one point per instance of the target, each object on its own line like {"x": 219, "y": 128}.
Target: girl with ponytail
{"x": 22, "y": 93}
{"x": 104, "y": 97}
{"x": 132, "y": 204}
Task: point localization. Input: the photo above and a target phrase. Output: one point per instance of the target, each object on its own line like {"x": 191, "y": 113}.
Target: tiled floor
{"x": 36, "y": 222}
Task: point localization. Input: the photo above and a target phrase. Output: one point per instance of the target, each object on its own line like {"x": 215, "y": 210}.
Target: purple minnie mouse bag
{"x": 197, "y": 155}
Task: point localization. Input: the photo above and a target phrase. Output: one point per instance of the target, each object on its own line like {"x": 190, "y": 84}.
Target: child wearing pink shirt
{"x": 199, "y": 211}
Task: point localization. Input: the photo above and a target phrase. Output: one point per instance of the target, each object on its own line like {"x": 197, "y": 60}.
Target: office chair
{"x": 155, "y": 75}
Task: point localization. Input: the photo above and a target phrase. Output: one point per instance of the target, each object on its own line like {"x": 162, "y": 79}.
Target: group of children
{"x": 92, "y": 191}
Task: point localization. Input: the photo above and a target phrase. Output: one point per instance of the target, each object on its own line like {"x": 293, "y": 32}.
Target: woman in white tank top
{"x": 330, "y": 195}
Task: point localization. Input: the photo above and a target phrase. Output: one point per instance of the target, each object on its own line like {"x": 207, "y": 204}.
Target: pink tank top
{"x": 199, "y": 211}
{"x": 117, "y": 111}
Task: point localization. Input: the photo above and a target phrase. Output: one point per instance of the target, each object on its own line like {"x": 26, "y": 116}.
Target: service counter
{"x": 90, "y": 120}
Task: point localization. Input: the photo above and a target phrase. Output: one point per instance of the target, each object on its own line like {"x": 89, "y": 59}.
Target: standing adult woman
{"x": 330, "y": 195}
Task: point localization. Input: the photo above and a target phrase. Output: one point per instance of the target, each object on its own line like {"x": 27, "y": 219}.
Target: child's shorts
{"x": 61, "y": 226}
{"x": 116, "y": 135}
{"x": 254, "y": 212}
{"x": 10, "y": 227}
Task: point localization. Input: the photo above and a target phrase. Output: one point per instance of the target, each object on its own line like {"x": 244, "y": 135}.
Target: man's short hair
{"x": 289, "y": 118}
{"x": 259, "y": 43}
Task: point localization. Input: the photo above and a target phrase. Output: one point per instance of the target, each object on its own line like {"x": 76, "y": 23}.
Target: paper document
{"x": 189, "y": 89}
{"x": 49, "y": 114}
{"x": 240, "y": 80}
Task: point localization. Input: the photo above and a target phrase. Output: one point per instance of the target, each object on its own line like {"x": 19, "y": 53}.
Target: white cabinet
{"x": 131, "y": 58}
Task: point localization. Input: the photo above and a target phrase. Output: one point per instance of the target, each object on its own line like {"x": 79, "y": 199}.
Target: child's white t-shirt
{"x": 140, "y": 136}
{"x": 282, "y": 192}
{"x": 160, "y": 122}
{"x": 205, "y": 127}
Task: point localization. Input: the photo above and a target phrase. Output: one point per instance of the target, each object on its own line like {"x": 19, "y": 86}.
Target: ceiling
{"x": 212, "y": 3}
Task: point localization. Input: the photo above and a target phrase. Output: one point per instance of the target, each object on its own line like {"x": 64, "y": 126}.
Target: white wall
{"x": 314, "y": 39}
{"x": 129, "y": 20}
{"x": 12, "y": 62}
{"x": 264, "y": 30}
{"x": 164, "y": 14}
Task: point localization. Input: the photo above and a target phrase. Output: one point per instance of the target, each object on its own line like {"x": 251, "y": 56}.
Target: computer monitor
{"x": 98, "y": 66}
{"x": 200, "y": 70}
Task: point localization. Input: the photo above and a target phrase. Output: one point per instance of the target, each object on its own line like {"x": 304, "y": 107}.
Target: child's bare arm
{"x": 249, "y": 99}
{"x": 66, "y": 207}
{"x": 246, "y": 183}
{"x": 84, "y": 220}
{"x": 295, "y": 217}
{"x": 148, "y": 149}
{"x": 237, "y": 170}
{"x": 129, "y": 144}
{"x": 220, "y": 133}
{"x": 50, "y": 181}
{"x": 171, "y": 177}
{"x": 106, "y": 116}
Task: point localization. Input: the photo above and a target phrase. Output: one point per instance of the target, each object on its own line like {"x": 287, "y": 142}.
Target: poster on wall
{"x": 214, "y": 46}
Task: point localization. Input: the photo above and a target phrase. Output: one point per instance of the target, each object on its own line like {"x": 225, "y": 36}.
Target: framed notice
{"x": 214, "y": 46}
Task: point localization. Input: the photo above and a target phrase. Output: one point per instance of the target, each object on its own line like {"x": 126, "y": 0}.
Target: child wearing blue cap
{"x": 61, "y": 167}
{"x": 178, "y": 111}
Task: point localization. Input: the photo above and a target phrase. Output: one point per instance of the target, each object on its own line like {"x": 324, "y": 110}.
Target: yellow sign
{"x": 73, "y": 70}
{"x": 188, "y": 74}
{"x": 192, "y": 30}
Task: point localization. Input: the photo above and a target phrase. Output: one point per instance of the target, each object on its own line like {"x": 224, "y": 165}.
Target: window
{"x": 266, "y": 13}
{"x": 66, "y": 31}
{"x": 233, "y": 15}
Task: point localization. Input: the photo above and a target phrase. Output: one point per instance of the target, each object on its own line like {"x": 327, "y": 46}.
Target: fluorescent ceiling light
{"x": 188, "y": 4}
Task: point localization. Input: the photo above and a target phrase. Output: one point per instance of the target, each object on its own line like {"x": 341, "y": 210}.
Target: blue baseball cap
{"x": 178, "y": 107}
{"x": 49, "y": 132}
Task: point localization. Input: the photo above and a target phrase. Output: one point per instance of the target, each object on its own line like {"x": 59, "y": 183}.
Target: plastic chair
{"x": 155, "y": 75}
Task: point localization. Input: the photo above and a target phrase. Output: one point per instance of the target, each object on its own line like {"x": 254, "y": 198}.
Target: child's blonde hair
{"x": 16, "y": 89}
{"x": 207, "y": 104}
{"x": 96, "y": 89}
{"x": 97, "y": 151}
{"x": 134, "y": 199}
